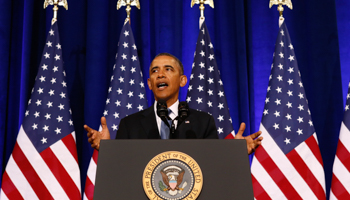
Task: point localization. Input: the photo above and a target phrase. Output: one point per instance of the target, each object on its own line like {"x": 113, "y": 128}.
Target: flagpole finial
{"x": 128, "y": 4}
{"x": 280, "y": 4}
{"x": 202, "y": 7}
{"x": 55, "y": 4}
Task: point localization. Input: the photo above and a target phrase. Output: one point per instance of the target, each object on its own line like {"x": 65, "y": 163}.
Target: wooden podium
{"x": 224, "y": 165}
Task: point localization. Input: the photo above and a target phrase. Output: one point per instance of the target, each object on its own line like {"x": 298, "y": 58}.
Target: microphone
{"x": 162, "y": 111}
{"x": 183, "y": 112}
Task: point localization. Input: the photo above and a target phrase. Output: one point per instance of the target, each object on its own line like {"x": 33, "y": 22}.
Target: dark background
{"x": 243, "y": 33}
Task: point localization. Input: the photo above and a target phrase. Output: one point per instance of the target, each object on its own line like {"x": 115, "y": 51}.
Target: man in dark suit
{"x": 166, "y": 78}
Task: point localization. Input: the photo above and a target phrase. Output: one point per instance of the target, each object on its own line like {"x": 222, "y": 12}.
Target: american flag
{"x": 44, "y": 162}
{"x": 126, "y": 94}
{"x": 288, "y": 164}
{"x": 340, "y": 188}
{"x": 205, "y": 90}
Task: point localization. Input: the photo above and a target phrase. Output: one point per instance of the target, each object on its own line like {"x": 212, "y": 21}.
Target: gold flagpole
{"x": 128, "y": 4}
{"x": 280, "y": 4}
{"x": 202, "y": 7}
{"x": 55, "y": 4}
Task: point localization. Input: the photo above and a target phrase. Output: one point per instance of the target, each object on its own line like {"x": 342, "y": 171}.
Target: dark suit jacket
{"x": 143, "y": 125}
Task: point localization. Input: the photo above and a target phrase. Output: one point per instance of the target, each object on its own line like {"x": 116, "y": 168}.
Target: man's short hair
{"x": 176, "y": 59}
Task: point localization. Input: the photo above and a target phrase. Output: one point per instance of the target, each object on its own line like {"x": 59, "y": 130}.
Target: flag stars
{"x": 116, "y": 115}
{"x": 142, "y": 84}
{"x": 129, "y": 106}
{"x": 210, "y": 92}
{"x": 211, "y": 57}
{"x": 201, "y": 76}
{"x": 290, "y": 93}
{"x": 40, "y": 90}
{"x": 281, "y": 55}
{"x": 38, "y": 102}
{"x": 276, "y": 126}
{"x": 64, "y": 84}
{"x": 53, "y": 80}
{"x": 291, "y": 58}
{"x": 49, "y": 104}
{"x": 290, "y": 69}
{"x": 288, "y": 116}
{"x": 211, "y": 69}
{"x": 277, "y": 114}
{"x": 279, "y": 90}
{"x": 108, "y": 101}
{"x": 310, "y": 123}
{"x": 133, "y": 58}
{"x": 188, "y": 99}
{"x": 140, "y": 107}
{"x": 199, "y": 100}
{"x": 141, "y": 96}
{"x": 48, "y": 116}
{"x": 37, "y": 114}
{"x": 58, "y": 46}
{"x": 291, "y": 46}
{"x": 105, "y": 113}
{"x": 42, "y": 79}
{"x": 220, "y": 82}
{"x": 300, "y": 131}
{"x": 35, "y": 126}
{"x": 289, "y": 105}
{"x": 49, "y": 44}
{"x": 133, "y": 70}
{"x": 58, "y": 130}
{"x": 278, "y": 101}
{"x": 301, "y": 96}
{"x": 189, "y": 87}
{"x": 122, "y": 68}
{"x": 132, "y": 81}
{"x": 202, "y": 65}
{"x": 221, "y": 118}
{"x": 46, "y": 128}
{"x": 266, "y": 112}
{"x": 300, "y": 84}
{"x": 126, "y": 45}
{"x": 124, "y": 57}
{"x": 47, "y": 55}
{"x": 280, "y": 66}
{"x": 121, "y": 79}
{"x": 200, "y": 88}
{"x": 134, "y": 47}
{"x": 287, "y": 141}
{"x": 27, "y": 113}
{"x": 210, "y": 104}
{"x": 55, "y": 68}
{"x": 210, "y": 80}
{"x": 300, "y": 119}
{"x": 221, "y": 106}
{"x": 221, "y": 93}
{"x": 114, "y": 127}
{"x": 130, "y": 94}
{"x": 211, "y": 45}
{"x": 70, "y": 122}
{"x": 301, "y": 107}
{"x": 346, "y": 107}
{"x": 44, "y": 140}
{"x": 126, "y": 33}
{"x": 282, "y": 44}
{"x": 280, "y": 78}
{"x": 57, "y": 57}
{"x": 52, "y": 32}
{"x": 63, "y": 95}
{"x": 203, "y": 42}
{"x": 290, "y": 81}
{"x": 220, "y": 130}
{"x": 61, "y": 107}
{"x": 288, "y": 128}
{"x": 267, "y": 100}
{"x": 44, "y": 67}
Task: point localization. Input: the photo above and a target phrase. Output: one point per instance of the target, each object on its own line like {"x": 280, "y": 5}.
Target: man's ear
{"x": 183, "y": 80}
{"x": 149, "y": 84}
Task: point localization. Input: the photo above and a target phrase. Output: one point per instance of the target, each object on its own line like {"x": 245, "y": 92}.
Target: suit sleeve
{"x": 122, "y": 132}
{"x": 211, "y": 132}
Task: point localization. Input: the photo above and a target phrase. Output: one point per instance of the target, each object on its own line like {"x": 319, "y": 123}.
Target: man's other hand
{"x": 253, "y": 140}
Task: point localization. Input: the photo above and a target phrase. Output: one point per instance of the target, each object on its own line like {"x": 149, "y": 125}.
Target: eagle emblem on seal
{"x": 172, "y": 178}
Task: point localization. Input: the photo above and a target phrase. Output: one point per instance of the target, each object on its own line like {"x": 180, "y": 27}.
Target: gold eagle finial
{"x": 55, "y": 4}
{"x": 209, "y": 2}
{"x": 128, "y": 4}
{"x": 280, "y": 3}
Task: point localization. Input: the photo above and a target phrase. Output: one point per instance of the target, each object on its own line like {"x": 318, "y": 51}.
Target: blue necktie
{"x": 164, "y": 129}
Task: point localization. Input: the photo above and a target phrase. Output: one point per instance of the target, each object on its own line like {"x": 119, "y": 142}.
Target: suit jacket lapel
{"x": 149, "y": 123}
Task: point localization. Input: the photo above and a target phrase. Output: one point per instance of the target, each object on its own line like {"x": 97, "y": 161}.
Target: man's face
{"x": 165, "y": 79}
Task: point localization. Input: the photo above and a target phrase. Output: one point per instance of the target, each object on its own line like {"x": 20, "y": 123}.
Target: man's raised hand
{"x": 94, "y": 137}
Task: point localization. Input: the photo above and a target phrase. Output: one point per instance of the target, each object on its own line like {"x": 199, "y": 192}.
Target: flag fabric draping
{"x": 340, "y": 188}
{"x": 126, "y": 94}
{"x": 288, "y": 164}
{"x": 205, "y": 90}
{"x": 44, "y": 161}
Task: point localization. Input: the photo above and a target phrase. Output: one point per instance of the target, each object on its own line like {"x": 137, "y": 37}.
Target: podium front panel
{"x": 224, "y": 165}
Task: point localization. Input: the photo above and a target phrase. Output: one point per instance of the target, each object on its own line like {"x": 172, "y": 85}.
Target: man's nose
{"x": 161, "y": 73}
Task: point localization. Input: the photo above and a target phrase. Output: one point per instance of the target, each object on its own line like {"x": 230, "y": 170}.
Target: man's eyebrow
{"x": 153, "y": 68}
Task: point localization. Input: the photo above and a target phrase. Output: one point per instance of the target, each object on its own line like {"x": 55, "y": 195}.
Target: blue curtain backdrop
{"x": 243, "y": 33}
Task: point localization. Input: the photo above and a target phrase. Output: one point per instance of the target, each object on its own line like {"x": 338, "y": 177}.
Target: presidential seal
{"x": 172, "y": 175}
